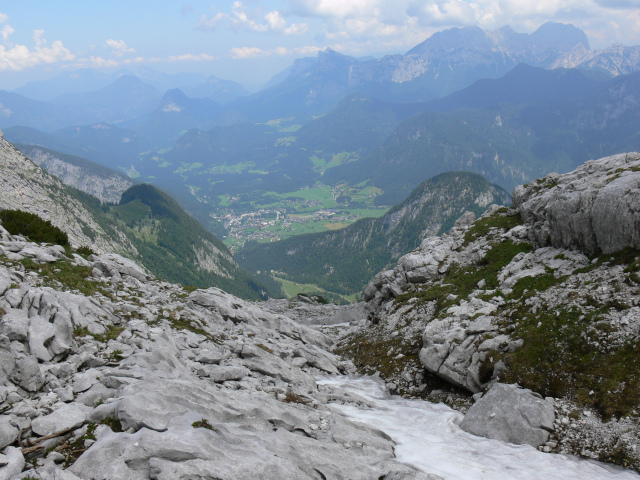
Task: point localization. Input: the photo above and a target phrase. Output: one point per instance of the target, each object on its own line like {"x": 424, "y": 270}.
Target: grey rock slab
{"x": 15, "y": 325}
{"x": 97, "y": 393}
{"x": 113, "y": 265}
{"x": 41, "y": 255}
{"x": 228, "y": 451}
{"x": 7, "y": 365}
{"x": 594, "y": 208}
{"x": 511, "y": 414}
{"x": 15, "y": 463}
{"x": 68, "y": 416}
{"x": 27, "y": 373}
{"x": 318, "y": 358}
{"x": 226, "y": 373}
{"x": 211, "y": 356}
{"x": 8, "y": 432}
{"x": 85, "y": 380}
{"x": 41, "y": 332}
{"x": 63, "y": 339}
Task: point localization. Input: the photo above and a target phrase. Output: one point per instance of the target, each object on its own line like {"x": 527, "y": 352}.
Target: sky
{"x": 251, "y": 40}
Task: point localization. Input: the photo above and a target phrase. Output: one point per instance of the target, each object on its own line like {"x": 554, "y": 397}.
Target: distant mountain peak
{"x": 561, "y": 35}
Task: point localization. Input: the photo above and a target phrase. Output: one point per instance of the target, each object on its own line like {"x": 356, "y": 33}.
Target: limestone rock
{"x": 27, "y": 373}
{"x": 41, "y": 333}
{"x": 224, "y": 374}
{"x": 15, "y": 325}
{"x": 68, "y": 416}
{"x": 15, "y": 463}
{"x": 511, "y": 414}
{"x": 8, "y": 433}
{"x": 594, "y": 208}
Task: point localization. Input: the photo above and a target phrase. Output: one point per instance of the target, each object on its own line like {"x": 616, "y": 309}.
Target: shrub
{"x": 17, "y": 222}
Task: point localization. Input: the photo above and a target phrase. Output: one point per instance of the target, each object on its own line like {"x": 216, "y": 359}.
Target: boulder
{"x": 224, "y": 374}
{"x": 27, "y": 374}
{"x": 41, "y": 333}
{"x": 15, "y": 463}
{"x": 15, "y": 325}
{"x": 68, "y": 416}
{"x": 8, "y": 433}
{"x": 511, "y": 414}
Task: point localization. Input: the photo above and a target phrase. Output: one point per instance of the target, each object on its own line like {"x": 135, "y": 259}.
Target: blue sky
{"x": 250, "y": 40}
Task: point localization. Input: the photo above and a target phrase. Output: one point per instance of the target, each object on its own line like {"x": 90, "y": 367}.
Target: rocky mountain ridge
{"x": 446, "y": 62}
{"x": 103, "y": 183}
{"x": 545, "y": 294}
{"x": 28, "y": 187}
{"x": 149, "y": 226}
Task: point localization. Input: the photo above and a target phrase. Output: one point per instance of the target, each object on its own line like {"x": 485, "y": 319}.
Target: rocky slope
{"x": 25, "y": 186}
{"x": 147, "y": 225}
{"x": 103, "y": 183}
{"x": 545, "y": 294}
{"x": 135, "y": 378}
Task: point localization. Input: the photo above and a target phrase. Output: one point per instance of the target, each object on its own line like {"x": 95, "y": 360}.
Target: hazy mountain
{"x": 124, "y": 99}
{"x": 508, "y": 143}
{"x": 221, "y": 91}
{"x": 447, "y": 61}
{"x": 77, "y": 81}
{"x": 86, "y": 80}
{"x": 343, "y": 261}
{"x": 176, "y": 114}
{"x": 615, "y": 60}
{"x": 523, "y": 85}
{"x": 165, "y": 81}
{"x": 17, "y": 109}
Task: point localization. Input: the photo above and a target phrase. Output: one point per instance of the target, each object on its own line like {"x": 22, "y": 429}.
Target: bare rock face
{"x": 511, "y": 414}
{"x": 594, "y": 208}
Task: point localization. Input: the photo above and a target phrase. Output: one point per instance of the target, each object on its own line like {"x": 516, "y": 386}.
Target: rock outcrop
{"x": 595, "y": 208}
{"x": 545, "y": 294}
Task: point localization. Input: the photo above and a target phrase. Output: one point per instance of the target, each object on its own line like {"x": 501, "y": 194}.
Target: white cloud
{"x": 19, "y": 57}
{"x": 246, "y": 52}
{"x": 252, "y": 52}
{"x": 245, "y": 19}
{"x": 4, "y": 18}
{"x": 296, "y": 29}
{"x": 133, "y": 60}
{"x": 119, "y": 47}
{"x": 102, "y": 62}
{"x": 208, "y": 24}
{"x": 337, "y": 8}
{"x": 6, "y": 32}
{"x": 275, "y": 21}
{"x": 189, "y": 57}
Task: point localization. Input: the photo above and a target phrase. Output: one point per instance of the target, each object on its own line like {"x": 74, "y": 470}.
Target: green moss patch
{"x": 73, "y": 277}
{"x": 498, "y": 220}
{"x": 566, "y": 353}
